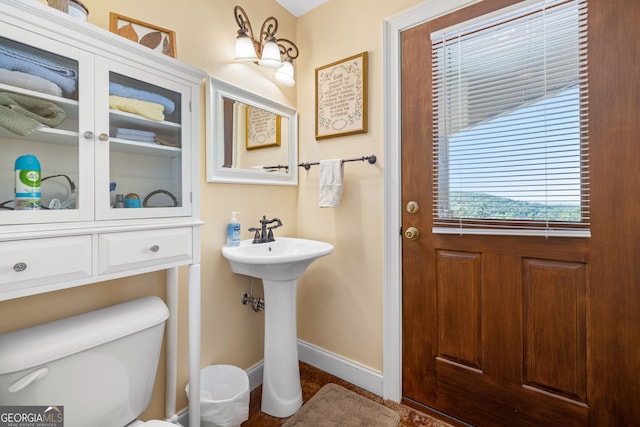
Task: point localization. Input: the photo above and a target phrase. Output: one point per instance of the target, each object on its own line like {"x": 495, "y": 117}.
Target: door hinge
{"x": 190, "y": 106}
{"x": 190, "y": 197}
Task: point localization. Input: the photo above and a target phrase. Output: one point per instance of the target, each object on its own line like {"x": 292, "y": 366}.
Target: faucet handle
{"x": 256, "y": 237}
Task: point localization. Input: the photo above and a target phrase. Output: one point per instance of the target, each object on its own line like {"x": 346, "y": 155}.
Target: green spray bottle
{"x": 28, "y": 180}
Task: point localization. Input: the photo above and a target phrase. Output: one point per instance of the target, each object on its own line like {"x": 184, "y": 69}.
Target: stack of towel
{"x": 23, "y": 114}
{"x": 141, "y": 136}
{"x": 29, "y": 65}
{"x": 23, "y": 69}
{"x": 28, "y": 81}
{"x": 150, "y": 110}
{"x": 136, "y": 101}
{"x": 142, "y": 95}
{"x": 136, "y": 135}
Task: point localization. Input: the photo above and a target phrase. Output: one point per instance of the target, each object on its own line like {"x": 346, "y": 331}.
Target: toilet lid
{"x": 158, "y": 423}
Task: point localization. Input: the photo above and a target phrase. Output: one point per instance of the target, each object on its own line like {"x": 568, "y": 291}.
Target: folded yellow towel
{"x": 150, "y": 110}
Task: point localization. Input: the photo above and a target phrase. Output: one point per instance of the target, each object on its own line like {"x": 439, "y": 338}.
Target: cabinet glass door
{"x": 41, "y": 90}
{"x": 142, "y": 147}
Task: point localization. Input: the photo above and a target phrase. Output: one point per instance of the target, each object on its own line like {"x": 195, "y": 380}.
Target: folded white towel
{"x": 29, "y": 81}
{"x": 330, "y": 183}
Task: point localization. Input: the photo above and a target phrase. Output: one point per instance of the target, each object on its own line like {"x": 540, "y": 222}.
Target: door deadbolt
{"x": 413, "y": 207}
{"x": 411, "y": 233}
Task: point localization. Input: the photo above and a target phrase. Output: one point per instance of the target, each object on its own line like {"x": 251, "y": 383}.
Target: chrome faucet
{"x": 265, "y": 234}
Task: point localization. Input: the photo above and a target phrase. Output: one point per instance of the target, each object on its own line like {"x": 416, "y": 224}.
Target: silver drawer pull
{"x": 154, "y": 248}
{"x": 19, "y": 267}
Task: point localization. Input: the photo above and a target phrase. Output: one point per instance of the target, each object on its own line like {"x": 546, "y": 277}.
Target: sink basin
{"x": 285, "y": 259}
{"x": 279, "y": 264}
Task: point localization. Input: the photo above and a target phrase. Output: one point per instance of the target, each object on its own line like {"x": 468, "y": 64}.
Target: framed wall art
{"x": 263, "y": 128}
{"x": 341, "y": 97}
{"x": 154, "y": 37}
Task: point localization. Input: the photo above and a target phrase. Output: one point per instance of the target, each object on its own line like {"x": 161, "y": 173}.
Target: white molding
{"x": 392, "y": 275}
{"x": 345, "y": 369}
{"x": 329, "y": 362}
{"x": 255, "y": 374}
{"x": 392, "y": 305}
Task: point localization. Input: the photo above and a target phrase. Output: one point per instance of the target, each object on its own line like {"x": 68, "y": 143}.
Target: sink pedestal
{"x": 279, "y": 264}
{"x": 281, "y": 390}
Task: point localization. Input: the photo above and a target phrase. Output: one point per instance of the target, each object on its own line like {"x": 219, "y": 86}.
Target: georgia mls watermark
{"x": 31, "y": 416}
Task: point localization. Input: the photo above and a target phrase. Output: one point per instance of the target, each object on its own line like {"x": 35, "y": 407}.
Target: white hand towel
{"x": 330, "y": 183}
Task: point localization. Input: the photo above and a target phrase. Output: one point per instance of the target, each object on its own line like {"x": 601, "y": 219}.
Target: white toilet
{"x": 99, "y": 366}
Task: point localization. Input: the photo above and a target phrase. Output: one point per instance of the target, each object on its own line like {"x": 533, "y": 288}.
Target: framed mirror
{"x": 249, "y": 139}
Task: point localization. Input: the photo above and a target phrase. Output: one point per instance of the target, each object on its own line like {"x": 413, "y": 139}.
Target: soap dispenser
{"x": 233, "y": 230}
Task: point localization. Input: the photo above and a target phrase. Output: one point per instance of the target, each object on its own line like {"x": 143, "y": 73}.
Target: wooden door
{"x": 501, "y": 330}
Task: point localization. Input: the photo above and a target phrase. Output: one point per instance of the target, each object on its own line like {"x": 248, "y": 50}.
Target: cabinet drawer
{"x": 29, "y": 263}
{"x": 139, "y": 249}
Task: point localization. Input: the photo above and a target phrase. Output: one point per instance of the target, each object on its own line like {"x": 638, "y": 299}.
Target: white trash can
{"x": 224, "y": 396}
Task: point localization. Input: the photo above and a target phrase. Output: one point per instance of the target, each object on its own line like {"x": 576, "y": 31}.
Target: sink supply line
{"x": 257, "y": 303}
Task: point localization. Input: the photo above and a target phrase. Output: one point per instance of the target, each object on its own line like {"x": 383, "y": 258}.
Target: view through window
{"x": 510, "y": 143}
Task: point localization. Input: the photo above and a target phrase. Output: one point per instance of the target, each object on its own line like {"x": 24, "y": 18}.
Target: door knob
{"x": 412, "y": 207}
{"x": 412, "y": 233}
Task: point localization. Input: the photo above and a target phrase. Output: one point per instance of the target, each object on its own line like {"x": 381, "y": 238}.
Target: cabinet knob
{"x": 103, "y": 137}
{"x": 154, "y": 248}
{"x": 19, "y": 267}
{"x": 88, "y": 134}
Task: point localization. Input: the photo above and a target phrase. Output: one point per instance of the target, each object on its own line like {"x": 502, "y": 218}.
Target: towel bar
{"x": 372, "y": 159}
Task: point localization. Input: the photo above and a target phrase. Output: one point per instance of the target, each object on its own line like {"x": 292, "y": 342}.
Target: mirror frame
{"x": 216, "y": 90}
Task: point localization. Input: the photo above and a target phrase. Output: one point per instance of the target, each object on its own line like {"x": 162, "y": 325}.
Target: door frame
{"x": 392, "y": 276}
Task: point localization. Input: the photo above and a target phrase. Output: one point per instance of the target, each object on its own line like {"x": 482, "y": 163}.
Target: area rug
{"x": 334, "y": 406}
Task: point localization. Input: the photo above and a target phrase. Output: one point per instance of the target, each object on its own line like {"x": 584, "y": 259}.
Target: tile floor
{"x": 312, "y": 380}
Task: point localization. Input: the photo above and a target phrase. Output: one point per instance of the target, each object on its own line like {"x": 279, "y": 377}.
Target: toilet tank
{"x": 99, "y": 366}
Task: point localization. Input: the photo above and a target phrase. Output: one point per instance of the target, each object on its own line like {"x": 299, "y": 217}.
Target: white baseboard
{"x": 345, "y": 369}
{"x": 183, "y": 417}
{"x": 332, "y": 363}
{"x": 255, "y": 375}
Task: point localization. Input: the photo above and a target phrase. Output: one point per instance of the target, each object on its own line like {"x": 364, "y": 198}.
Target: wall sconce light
{"x": 267, "y": 50}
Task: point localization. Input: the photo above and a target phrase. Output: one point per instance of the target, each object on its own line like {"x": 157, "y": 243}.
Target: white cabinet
{"x": 127, "y": 123}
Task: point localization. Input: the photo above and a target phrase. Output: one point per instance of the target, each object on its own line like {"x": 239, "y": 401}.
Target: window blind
{"x": 510, "y": 122}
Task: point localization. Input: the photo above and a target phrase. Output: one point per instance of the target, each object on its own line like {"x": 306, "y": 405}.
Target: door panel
{"x": 459, "y": 307}
{"x": 555, "y": 327}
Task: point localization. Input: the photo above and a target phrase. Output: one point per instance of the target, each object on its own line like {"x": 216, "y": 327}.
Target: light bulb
{"x": 284, "y": 74}
{"x": 270, "y": 55}
{"x": 245, "y": 51}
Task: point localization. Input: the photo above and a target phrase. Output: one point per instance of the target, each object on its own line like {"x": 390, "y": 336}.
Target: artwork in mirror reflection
{"x": 254, "y": 138}
{"x": 262, "y": 129}
{"x": 250, "y": 139}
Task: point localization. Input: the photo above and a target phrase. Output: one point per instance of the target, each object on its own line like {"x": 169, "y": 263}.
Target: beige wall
{"x": 340, "y": 298}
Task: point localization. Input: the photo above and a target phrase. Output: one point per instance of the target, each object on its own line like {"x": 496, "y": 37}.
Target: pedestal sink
{"x": 279, "y": 264}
